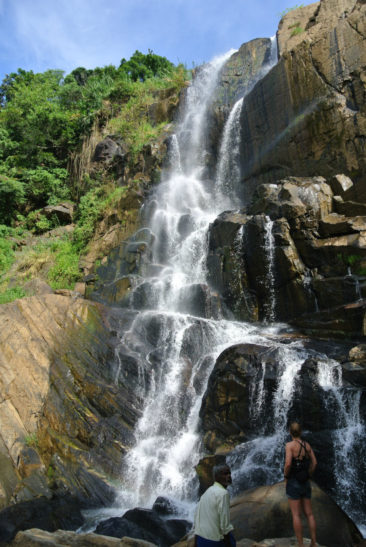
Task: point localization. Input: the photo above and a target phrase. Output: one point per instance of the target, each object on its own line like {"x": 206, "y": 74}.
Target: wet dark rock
{"x": 47, "y": 514}
{"x": 145, "y": 524}
{"x": 198, "y": 299}
{"x": 237, "y": 76}
{"x": 164, "y": 506}
{"x": 225, "y": 411}
{"x": 227, "y": 266}
{"x": 340, "y": 184}
{"x": 185, "y": 225}
{"x": 290, "y": 257}
{"x": 229, "y": 415}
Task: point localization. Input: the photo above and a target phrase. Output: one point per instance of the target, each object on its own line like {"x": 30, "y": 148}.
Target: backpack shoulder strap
{"x": 302, "y": 447}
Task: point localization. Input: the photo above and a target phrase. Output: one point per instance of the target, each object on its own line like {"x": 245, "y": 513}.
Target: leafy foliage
{"x": 45, "y": 116}
{"x": 65, "y": 271}
{"x": 44, "y": 119}
{"x": 12, "y": 195}
{"x": 11, "y": 294}
{"x": 142, "y": 67}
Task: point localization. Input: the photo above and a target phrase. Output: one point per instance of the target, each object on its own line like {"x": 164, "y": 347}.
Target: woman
{"x": 300, "y": 464}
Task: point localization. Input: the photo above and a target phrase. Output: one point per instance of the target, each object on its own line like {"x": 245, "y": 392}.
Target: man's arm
{"x": 288, "y": 461}
{"x": 224, "y": 518}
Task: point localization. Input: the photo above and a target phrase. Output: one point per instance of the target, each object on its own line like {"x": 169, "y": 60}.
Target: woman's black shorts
{"x": 296, "y": 490}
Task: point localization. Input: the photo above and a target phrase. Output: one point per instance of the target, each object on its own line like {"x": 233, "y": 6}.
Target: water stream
{"x": 179, "y": 331}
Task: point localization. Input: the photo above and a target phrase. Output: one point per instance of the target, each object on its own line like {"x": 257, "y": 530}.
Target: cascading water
{"x": 228, "y": 166}
{"x": 270, "y": 255}
{"x": 344, "y": 402}
{"x": 228, "y": 169}
{"x": 178, "y": 331}
{"x": 185, "y": 346}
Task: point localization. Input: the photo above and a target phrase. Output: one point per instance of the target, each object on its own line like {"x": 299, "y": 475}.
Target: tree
{"x": 12, "y": 194}
{"x": 142, "y": 67}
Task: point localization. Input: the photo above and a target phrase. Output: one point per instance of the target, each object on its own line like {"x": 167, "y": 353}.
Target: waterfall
{"x": 184, "y": 340}
{"x": 269, "y": 244}
{"x": 228, "y": 169}
{"x": 260, "y": 460}
{"x": 178, "y": 331}
{"x": 183, "y": 347}
{"x": 344, "y": 403}
{"x": 228, "y": 166}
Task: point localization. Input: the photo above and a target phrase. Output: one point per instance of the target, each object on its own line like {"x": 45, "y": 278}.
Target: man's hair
{"x": 218, "y": 469}
{"x": 295, "y": 429}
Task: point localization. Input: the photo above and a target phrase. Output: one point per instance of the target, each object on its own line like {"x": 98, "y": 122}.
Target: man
{"x": 212, "y": 526}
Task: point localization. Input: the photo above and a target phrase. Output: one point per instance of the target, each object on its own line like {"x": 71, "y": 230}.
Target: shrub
{"x": 6, "y": 255}
{"x": 12, "y": 194}
{"x": 141, "y": 67}
{"x": 11, "y": 294}
{"x": 65, "y": 271}
{"x": 296, "y": 30}
{"x": 31, "y": 440}
{"x": 46, "y": 186}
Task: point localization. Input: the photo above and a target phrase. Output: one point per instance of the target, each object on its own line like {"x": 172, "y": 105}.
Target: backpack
{"x": 301, "y": 466}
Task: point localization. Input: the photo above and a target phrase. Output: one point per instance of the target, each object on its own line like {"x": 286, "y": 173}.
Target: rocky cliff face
{"x": 291, "y": 256}
{"x": 66, "y": 418}
{"x": 307, "y": 116}
{"x": 238, "y": 76}
{"x": 296, "y": 251}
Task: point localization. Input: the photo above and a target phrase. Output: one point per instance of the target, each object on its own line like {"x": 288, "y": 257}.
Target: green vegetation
{"x": 355, "y": 262}
{"x": 297, "y": 29}
{"x": 91, "y": 208}
{"x": 8, "y": 295}
{"x": 8, "y": 240}
{"x": 44, "y": 120}
{"x": 31, "y": 440}
{"x": 287, "y": 10}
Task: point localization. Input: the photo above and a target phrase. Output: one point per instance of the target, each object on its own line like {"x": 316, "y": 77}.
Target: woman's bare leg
{"x": 306, "y": 507}
{"x": 295, "y": 506}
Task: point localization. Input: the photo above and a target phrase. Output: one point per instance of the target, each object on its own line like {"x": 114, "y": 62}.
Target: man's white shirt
{"x": 212, "y": 518}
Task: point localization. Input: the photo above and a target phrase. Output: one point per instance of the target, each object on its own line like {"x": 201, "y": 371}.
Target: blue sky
{"x": 64, "y": 34}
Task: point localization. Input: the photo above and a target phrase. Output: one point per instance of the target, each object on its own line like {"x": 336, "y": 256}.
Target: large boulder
{"x": 146, "y": 524}
{"x": 66, "y": 418}
{"x": 264, "y": 512}
{"x": 48, "y": 514}
{"x": 110, "y": 150}
{"x": 40, "y": 538}
{"x": 225, "y": 410}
